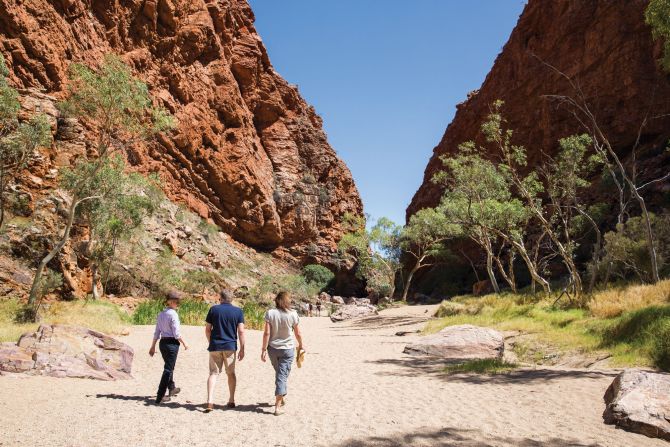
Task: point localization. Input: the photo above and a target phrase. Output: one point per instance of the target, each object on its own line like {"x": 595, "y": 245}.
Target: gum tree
{"x": 119, "y": 108}
{"x": 423, "y": 239}
{"x": 18, "y": 140}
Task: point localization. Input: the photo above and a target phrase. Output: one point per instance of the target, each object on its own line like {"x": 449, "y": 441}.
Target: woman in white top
{"x": 281, "y": 330}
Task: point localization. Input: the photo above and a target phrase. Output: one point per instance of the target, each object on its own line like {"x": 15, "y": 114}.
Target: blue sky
{"x": 385, "y": 76}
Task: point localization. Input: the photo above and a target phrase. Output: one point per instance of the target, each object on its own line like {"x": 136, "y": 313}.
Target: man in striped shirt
{"x": 167, "y": 331}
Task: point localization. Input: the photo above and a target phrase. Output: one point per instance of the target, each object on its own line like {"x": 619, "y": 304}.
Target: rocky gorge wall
{"x": 607, "y": 49}
{"x": 248, "y": 152}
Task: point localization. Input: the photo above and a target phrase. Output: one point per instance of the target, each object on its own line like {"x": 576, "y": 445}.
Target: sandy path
{"x": 356, "y": 389}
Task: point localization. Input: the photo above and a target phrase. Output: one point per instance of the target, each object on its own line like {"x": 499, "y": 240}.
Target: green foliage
{"x": 114, "y": 99}
{"x": 196, "y": 281}
{"x": 638, "y": 336}
{"x": 122, "y": 201}
{"x": 191, "y": 312}
{"x": 646, "y": 329}
{"x": 18, "y": 140}
{"x": 318, "y": 275}
{"x": 657, "y": 15}
{"x": 377, "y": 252}
{"x": 481, "y": 366}
{"x": 626, "y": 248}
{"x": 268, "y": 286}
{"x": 254, "y": 315}
{"x": 208, "y": 229}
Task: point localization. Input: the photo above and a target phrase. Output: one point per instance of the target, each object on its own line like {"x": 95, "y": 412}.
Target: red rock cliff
{"x": 248, "y": 153}
{"x": 604, "y": 46}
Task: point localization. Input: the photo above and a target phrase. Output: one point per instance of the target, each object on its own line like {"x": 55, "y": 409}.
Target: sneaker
{"x": 174, "y": 391}
{"x": 164, "y": 400}
{"x": 230, "y": 405}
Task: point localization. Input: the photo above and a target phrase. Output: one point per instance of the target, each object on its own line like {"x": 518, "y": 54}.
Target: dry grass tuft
{"x": 98, "y": 315}
{"x": 614, "y": 302}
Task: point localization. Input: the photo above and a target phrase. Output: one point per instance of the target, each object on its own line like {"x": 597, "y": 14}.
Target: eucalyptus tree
{"x": 479, "y": 198}
{"x": 118, "y": 107}
{"x": 424, "y": 238}
{"x": 376, "y": 251}
{"x": 18, "y": 140}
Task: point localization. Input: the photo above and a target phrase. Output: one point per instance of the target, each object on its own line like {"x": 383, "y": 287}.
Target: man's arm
{"x": 240, "y": 336}
{"x": 208, "y": 332}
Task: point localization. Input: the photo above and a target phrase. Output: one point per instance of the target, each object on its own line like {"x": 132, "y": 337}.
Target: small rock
{"x": 22, "y": 278}
{"x": 351, "y": 311}
{"x": 639, "y": 401}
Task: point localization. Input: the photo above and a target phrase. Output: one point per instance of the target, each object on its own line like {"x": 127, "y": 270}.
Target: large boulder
{"x": 68, "y": 351}
{"x": 336, "y": 299}
{"x": 639, "y": 401}
{"x": 460, "y": 343}
{"x": 350, "y": 311}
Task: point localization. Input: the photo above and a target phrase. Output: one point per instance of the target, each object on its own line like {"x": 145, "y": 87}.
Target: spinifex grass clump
{"x": 630, "y": 323}
{"x": 481, "y": 366}
{"x": 98, "y": 315}
{"x": 254, "y": 315}
{"x": 191, "y": 312}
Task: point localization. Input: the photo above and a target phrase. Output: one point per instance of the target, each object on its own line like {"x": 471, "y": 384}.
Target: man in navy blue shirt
{"x": 225, "y": 324}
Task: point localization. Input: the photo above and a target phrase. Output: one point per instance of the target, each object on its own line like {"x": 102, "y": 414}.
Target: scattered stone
{"x": 68, "y": 351}
{"x": 172, "y": 243}
{"x": 460, "y": 343}
{"x": 639, "y": 401}
{"x": 350, "y": 311}
{"x": 403, "y": 333}
{"x": 22, "y": 278}
{"x": 361, "y": 301}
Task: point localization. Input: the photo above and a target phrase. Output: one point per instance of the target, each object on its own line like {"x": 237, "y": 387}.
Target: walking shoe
{"x": 164, "y": 400}
{"x": 230, "y": 405}
{"x": 174, "y": 391}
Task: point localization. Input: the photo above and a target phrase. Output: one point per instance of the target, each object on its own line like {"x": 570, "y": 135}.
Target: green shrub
{"x": 481, "y": 366}
{"x": 449, "y": 308}
{"x": 191, "y": 312}
{"x": 318, "y": 275}
{"x": 657, "y": 15}
{"x": 660, "y": 348}
{"x": 254, "y": 315}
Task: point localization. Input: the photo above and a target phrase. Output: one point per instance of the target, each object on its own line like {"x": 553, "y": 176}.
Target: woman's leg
{"x": 284, "y": 361}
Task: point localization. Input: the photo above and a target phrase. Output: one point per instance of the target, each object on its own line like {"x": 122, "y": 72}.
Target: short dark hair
{"x": 173, "y": 295}
{"x": 226, "y": 295}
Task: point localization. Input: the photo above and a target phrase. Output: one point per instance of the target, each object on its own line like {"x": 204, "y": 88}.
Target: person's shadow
{"x": 151, "y": 401}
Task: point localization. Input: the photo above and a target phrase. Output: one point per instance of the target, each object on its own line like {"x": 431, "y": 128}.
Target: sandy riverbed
{"x": 355, "y": 389}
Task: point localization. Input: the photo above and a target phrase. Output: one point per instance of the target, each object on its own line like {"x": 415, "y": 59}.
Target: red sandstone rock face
{"x": 603, "y": 45}
{"x": 248, "y": 153}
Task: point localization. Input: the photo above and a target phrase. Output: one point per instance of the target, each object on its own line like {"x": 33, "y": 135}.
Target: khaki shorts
{"x": 218, "y": 360}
